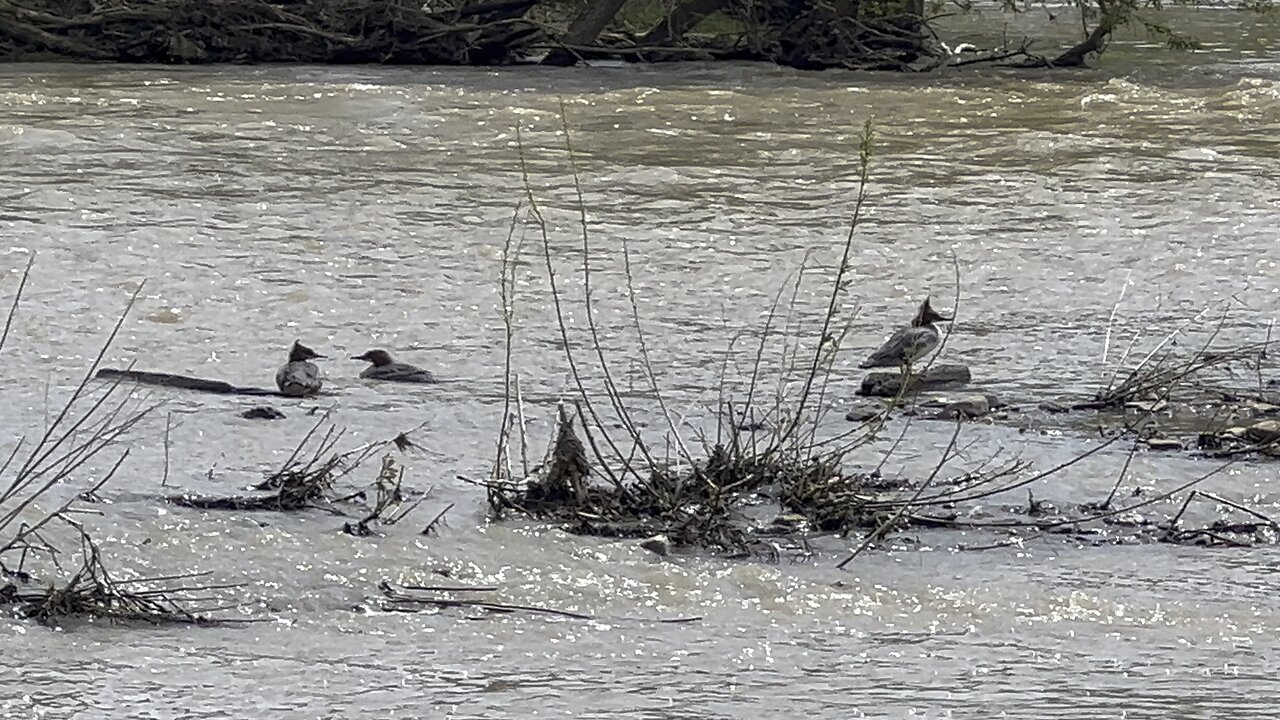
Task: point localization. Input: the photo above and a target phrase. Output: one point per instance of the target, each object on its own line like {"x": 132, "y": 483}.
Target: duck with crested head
{"x": 910, "y": 343}
{"x": 384, "y": 367}
{"x": 299, "y": 377}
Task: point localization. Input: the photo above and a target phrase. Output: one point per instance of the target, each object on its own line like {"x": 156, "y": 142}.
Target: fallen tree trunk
{"x": 679, "y": 21}
{"x": 584, "y": 30}
{"x": 184, "y": 382}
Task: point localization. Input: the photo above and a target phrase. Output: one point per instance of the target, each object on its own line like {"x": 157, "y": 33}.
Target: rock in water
{"x": 1147, "y": 406}
{"x": 965, "y": 406}
{"x": 262, "y": 412}
{"x": 1263, "y": 432}
{"x": 658, "y": 545}
{"x": 886, "y": 383}
{"x": 1156, "y": 443}
{"x": 1264, "y": 409}
{"x": 864, "y": 411}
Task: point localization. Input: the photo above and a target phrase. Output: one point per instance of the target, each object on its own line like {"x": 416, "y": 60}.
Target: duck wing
{"x": 297, "y": 379}
{"x": 906, "y": 345}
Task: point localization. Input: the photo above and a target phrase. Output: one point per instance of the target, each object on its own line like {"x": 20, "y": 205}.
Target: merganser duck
{"x": 384, "y": 367}
{"x": 910, "y": 343}
{"x": 299, "y": 377}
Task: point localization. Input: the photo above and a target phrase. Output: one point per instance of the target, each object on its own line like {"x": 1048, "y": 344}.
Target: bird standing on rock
{"x": 299, "y": 377}
{"x": 910, "y": 343}
{"x": 385, "y": 367}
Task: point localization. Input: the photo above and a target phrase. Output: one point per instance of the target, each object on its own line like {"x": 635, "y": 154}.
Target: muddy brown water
{"x": 359, "y": 207}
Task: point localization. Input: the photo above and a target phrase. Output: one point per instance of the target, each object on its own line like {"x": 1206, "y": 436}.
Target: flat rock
{"x": 887, "y": 383}
{"x": 1264, "y": 409}
{"x": 864, "y": 411}
{"x": 1146, "y": 406}
{"x": 1263, "y": 432}
{"x": 964, "y": 407}
{"x": 1162, "y": 443}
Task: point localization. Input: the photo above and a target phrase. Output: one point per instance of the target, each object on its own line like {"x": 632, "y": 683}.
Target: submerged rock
{"x": 1053, "y": 406}
{"x": 887, "y": 383}
{"x": 262, "y": 412}
{"x": 864, "y": 411}
{"x": 1263, "y": 436}
{"x": 962, "y": 407}
{"x": 1146, "y": 406}
{"x": 659, "y": 545}
{"x": 786, "y": 524}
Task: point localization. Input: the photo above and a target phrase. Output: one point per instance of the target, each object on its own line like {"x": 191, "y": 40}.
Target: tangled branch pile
{"x": 707, "y": 503}
{"x": 300, "y": 482}
{"x": 799, "y": 33}
{"x": 94, "y": 592}
{"x": 237, "y": 31}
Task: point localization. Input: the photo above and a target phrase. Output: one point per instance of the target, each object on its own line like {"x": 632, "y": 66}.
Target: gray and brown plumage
{"x": 299, "y": 377}
{"x": 384, "y": 367}
{"x": 911, "y": 343}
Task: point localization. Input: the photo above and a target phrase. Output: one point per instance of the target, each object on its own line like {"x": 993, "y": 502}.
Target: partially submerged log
{"x": 886, "y": 383}
{"x": 184, "y": 382}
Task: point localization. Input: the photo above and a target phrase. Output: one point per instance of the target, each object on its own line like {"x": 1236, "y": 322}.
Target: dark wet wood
{"x": 681, "y": 20}
{"x": 583, "y": 31}
{"x": 184, "y": 382}
{"x": 887, "y": 383}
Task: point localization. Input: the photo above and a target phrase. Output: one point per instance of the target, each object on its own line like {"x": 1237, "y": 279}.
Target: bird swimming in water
{"x": 384, "y": 367}
{"x": 299, "y": 377}
{"x": 910, "y": 343}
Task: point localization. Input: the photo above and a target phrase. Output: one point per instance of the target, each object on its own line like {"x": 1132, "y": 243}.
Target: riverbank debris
{"x": 302, "y": 482}
{"x": 306, "y": 481}
{"x": 388, "y": 507}
{"x": 93, "y": 592}
{"x": 722, "y": 502}
{"x": 1222, "y": 531}
{"x": 797, "y": 33}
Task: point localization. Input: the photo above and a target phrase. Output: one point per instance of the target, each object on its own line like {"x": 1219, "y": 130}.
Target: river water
{"x": 361, "y": 207}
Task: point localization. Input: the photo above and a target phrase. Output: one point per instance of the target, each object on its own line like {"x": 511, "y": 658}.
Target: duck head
{"x": 927, "y": 315}
{"x": 302, "y": 352}
{"x": 377, "y": 357}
